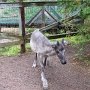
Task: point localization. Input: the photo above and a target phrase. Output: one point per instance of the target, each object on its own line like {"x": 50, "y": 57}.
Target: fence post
{"x": 0, "y": 29}
{"x": 22, "y": 27}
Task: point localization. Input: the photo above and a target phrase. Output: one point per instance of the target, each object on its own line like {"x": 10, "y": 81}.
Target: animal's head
{"x": 60, "y": 50}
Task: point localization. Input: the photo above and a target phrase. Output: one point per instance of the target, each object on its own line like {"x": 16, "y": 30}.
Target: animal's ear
{"x": 53, "y": 46}
{"x": 58, "y": 43}
{"x": 64, "y": 42}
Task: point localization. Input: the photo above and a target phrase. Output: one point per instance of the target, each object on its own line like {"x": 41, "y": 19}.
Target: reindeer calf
{"x": 43, "y": 49}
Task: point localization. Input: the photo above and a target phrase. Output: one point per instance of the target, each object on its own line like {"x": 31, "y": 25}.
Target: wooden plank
{"x": 35, "y": 3}
{"x": 10, "y": 43}
{"x": 61, "y": 35}
{"x": 7, "y": 40}
{"x": 34, "y": 18}
{"x": 45, "y": 28}
{"x": 26, "y": 4}
{"x": 51, "y": 16}
{"x": 56, "y": 14}
{"x": 41, "y": 13}
{"x": 4, "y": 5}
{"x": 49, "y": 26}
{"x": 43, "y": 16}
{"x": 41, "y": 3}
{"x": 56, "y": 36}
{"x": 18, "y": 41}
{"x": 5, "y": 34}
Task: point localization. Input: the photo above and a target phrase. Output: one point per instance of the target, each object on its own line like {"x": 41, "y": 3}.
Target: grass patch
{"x": 82, "y": 45}
{"x": 75, "y": 40}
{"x": 12, "y": 50}
{"x": 85, "y": 59}
{"x": 78, "y": 39}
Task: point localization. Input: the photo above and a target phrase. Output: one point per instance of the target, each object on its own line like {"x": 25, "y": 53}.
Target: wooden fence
{"x": 23, "y": 38}
{"x": 21, "y": 6}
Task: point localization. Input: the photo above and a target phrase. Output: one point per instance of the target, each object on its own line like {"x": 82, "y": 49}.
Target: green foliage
{"x": 29, "y": 30}
{"x": 79, "y": 39}
{"x": 85, "y": 28}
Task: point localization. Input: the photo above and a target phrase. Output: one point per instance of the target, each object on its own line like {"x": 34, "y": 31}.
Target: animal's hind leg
{"x": 43, "y": 78}
{"x": 35, "y": 61}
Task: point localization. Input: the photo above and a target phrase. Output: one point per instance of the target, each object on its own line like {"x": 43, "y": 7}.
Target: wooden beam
{"x": 34, "y": 18}
{"x": 61, "y": 35}
{"x": 22, "y": 27}
{"x": 35, "y": 3}
{"x": 43, "y": 16}
{"x": 27, "y": 4}
{"x": 56, "y": 14}
{"x": 6, "y": 34}
{"x": 45, "y": 28}
{"x": 51, "y": 16}
{"x": 41, "y": 3}
{"x": 10, "y": 43}
{"x": 4, "y": 5}
{"x": 56, "y": 36}
{"x": 49, "y": 26}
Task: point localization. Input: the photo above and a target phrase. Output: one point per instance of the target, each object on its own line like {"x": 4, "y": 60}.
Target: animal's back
{"x": 39, "y": 43}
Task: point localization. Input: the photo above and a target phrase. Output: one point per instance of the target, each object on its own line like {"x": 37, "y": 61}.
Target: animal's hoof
{"x": 34, "y": 65}
{"x": 45, "y": 84}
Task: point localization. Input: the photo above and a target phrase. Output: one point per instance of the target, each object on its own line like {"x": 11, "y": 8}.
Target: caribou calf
{"x": 43, "y": 49}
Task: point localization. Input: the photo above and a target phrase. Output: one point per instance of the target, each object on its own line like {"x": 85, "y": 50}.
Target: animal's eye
{"x": 61, "y": 49}
{"x": 57, "y": 51}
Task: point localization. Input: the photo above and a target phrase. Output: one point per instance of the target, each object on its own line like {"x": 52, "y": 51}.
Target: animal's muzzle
{"x": 62, "y": 59}
{"x": 64, "y": 62}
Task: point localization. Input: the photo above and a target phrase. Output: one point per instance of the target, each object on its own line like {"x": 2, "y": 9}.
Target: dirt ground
{"x": 16, "y": 73}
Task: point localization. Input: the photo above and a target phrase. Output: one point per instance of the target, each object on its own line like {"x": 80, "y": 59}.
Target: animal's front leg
{"x": 43, "y": 78}
{"x": 45, "y": 61}
{"x": 35, "y": 61}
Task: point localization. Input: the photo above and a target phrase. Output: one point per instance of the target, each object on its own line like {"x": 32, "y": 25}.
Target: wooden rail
{"x": 29, "y": 4}
{"x": 55, "y": 36}
{"x": 55, "y": 24}
{"x": 9, "y": 43}
{"x": 36, "y": 3}
{"x": 6, "y": 40}
{"x": 62, "y": 35}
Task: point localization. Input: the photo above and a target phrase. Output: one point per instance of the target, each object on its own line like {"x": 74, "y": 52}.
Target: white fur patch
{"x": 34, "y": 64}
{"x": 44, "y": 80}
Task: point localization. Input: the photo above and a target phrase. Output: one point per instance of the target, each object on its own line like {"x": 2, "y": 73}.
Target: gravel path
{"x": 16, "y": 73}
